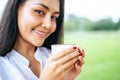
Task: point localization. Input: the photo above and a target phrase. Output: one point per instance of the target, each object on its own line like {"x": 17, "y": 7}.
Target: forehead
{"x": 51, "y": 4}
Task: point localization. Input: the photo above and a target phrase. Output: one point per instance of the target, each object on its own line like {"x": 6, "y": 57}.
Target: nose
{"x": 47, "y": 22}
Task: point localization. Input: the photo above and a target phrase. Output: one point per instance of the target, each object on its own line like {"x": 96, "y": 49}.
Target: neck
{"x": 27, "y": 50}
{"x": 24, "y": 48}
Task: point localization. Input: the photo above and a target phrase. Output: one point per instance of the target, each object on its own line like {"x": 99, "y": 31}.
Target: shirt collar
{"x": 21, "y": 60}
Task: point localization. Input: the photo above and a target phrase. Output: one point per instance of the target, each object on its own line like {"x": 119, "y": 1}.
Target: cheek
{"x": 27, "y": 18}
{"x": 53, "y": 27}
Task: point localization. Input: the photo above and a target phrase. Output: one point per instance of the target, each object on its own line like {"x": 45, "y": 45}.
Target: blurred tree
{"x": 105, "y": 24}
{"x": 72, "y": 23}
{"x": 85, "y": 24}
{"x": 118, "y": 25}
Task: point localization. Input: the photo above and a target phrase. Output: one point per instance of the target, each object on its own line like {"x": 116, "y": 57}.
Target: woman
{"x": 27, "y": 30}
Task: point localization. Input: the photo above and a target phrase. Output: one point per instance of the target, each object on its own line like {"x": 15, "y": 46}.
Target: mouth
{"x": 41, "y": 33}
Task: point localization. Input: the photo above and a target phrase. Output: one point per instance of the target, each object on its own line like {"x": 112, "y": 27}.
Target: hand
{"x": 59, "y": 64}
{"x": 76, "y": 69}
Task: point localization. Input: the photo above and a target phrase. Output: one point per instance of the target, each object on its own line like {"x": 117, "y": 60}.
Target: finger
{"x": 65, "y": 73}
{"x": 67, "y": 58}
{"x": 78, "y": 68}
{"x": 81, "y": 61}
{"x": 67, "y": 65}
{"x": 81, "y": 51}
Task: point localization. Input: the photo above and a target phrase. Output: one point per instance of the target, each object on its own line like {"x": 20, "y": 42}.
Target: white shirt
{"x": 16, "y": 67}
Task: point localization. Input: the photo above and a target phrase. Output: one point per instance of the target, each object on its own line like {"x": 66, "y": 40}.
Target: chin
{"x": 38, "y": 44}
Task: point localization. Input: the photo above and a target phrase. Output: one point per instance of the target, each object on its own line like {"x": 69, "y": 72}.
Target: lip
{"x": 40, "y": 33}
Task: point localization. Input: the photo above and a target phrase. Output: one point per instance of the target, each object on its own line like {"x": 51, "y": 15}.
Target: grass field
{"x": 102, "y": 61}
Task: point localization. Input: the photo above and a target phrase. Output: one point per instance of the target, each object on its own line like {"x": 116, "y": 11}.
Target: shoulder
{"x": 44, "y": 49}
{"x": 3, "y": 64}
{"x": 2, "y": 60}
{"x": 7, "y": 70}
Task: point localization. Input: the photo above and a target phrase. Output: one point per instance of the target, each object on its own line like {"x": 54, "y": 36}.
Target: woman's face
{"x": 37, "y": 20}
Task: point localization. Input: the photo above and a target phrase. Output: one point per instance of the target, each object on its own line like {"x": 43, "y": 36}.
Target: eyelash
{"x": 39, "y": 12}
{"x": 53, "y": 18}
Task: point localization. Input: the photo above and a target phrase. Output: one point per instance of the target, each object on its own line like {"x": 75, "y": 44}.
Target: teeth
{"x": 40, "y": 32}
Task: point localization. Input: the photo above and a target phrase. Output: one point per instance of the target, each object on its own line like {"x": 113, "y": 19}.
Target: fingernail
{"x": 79, "y": 51}
{"x": 80, "y": 57}
{"x": 74, "y": 48}
{"x": 78, "y": 63}
{"x": 82, "y": 50}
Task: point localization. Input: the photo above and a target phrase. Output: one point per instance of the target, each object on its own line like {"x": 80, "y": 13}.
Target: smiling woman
{"x": 28, "y": 28}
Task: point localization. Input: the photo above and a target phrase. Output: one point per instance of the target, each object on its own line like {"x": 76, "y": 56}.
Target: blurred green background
{"x": 102, "y": 53}
{"x": 101, "y": 41}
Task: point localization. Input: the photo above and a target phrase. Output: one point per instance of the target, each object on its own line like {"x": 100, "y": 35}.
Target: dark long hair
{"x": 9, "y": 27}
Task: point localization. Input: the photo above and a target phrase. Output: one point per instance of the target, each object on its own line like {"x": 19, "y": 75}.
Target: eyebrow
{"x": 47, "y": 8}
{"x": 57, "y": 12}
